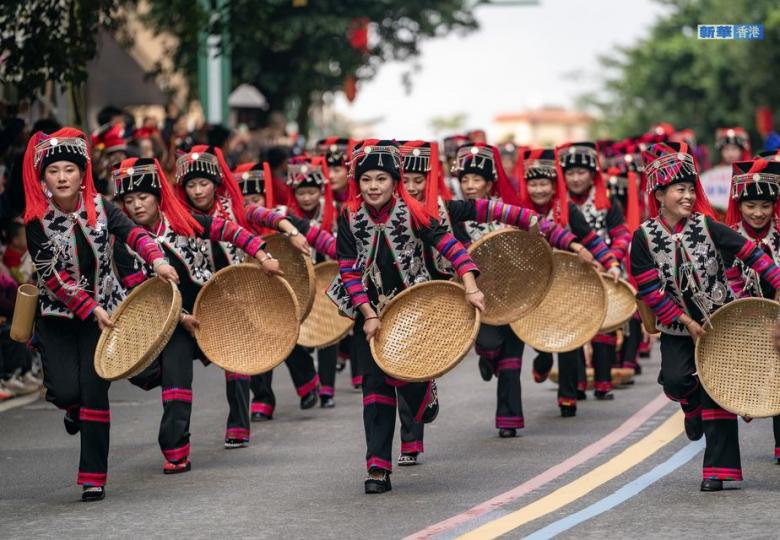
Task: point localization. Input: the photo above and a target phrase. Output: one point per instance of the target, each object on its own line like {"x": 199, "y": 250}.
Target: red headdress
{"x": 736, "y": 136}
{"x": 145, "y": 175}
{"x": 373, "y": 154}
{"x": 204, "y": 161}
{"x": 66, "y": 144}
{"x": 484, "y": 160}
{"x": 753, "y": 180}
{"x": 669, "y": 163}
{"x": 255, "y": 178}
{"x": 585, "y": 155}
{"x": 303, "y": 172}
{"x": 422, "y": 157}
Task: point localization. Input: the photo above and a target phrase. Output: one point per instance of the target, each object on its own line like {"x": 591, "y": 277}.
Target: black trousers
{"x": 629, "y": 353}
{"x": 68, "y": 350}
{"x": 172, "y": 370}
{"x": 776, "y": 429}
{"x": 346, "y": 351}
{"x": 721, "y": 455}
{"x": 14, "y": 356}
{"x": 604, "y": 357}
{"x": 237, "y": 393}
{"x": 568, "y": 369}
{"x": 301, "y": 366}
{"x": 381, "y": 394}
{"x": 504, "y": 350}
{"x": 326, "y": 369}
{"x": 412, "y": 431}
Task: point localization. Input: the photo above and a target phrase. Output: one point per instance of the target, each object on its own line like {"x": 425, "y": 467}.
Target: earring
{"x": 48, "y": 194}
{"x": 82, "y": 187}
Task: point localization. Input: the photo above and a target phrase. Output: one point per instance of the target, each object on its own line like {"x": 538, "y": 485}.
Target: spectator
{"x": 16, "y": 258}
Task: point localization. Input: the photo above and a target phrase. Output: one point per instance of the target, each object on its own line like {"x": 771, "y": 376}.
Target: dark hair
{"x": 47, "y": 125}
{"x": 276, "y": 155}
{"x": 11, "y": 230}
{"x": 217, "y": 135}
{"x": 107, "y": 113}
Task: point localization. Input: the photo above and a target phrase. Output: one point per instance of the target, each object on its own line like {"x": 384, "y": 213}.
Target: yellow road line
{"x": 628, "y": 458}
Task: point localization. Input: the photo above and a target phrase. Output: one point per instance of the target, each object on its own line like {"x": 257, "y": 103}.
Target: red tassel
{"x": 632, "y": 202}
{"x": 36, "y": 203}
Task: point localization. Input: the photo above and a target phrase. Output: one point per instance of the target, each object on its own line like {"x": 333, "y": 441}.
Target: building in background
{"x": 546, "y": 126}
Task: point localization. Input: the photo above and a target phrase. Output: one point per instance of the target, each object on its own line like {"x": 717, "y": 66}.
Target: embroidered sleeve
{"x": 349, "y": 269}
{"x": 487, "y": 211}
{"x": 130, "y": 273}
{"x": 322, "y": 241}
{"x": 648, "y": 280}
{"x": 52, "y": 274}
{"x": 747, "y": 251}
{"x": 621, "y": 239}
{"x": 736, "y": 281}
{"x": 135, "y": 237}
{"x": 263, "y": 217}
{"x": 222, "y": 230}
{"x": 588, "y": 238}
{"x": 438, "y": 237}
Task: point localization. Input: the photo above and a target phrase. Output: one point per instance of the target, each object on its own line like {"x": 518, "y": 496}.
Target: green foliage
{"x": 289, "y": 53}
{"x": 52, "y": 40}
{"x": 674, "y": 77}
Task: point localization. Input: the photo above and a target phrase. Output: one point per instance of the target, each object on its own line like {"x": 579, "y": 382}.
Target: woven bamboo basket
{"x": 324, "y": 326}
{"x": 571, "y": 313}
{"x": 426, "y": 330}
{"x": 298, "y": 271}
{"x": 248, "y": 320}
{"x": 143, "y": 324}
{"x": 647, "y": 316}
{"x": 736, "y": 360}
{"x": 621, "y": 303}
{"x": 515, "y": 273}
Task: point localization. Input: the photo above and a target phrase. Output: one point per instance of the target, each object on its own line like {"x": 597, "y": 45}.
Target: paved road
{"x": 303, "y": 475}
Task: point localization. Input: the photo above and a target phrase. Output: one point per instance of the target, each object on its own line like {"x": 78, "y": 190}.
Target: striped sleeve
{"x": 142, "y": 243}
{"x": 350, "y": 271}
{"x": 223, "y": 230}
{"x": 598, "y": 248}
{"x": 79, "y": 303}
{"x": 263, "y": 217}
{"x": 456, "y": 254}
{"x": 488, "y": 211}
{"x": 648, "y": 281}
{"x": 621, "y": 239}
{"x": 755, "y": 258}
{"x": 736, "y": 281}
{"x": 322, "y": 241}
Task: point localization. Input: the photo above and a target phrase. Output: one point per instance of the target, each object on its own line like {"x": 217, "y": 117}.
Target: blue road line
{"x": 680, "y": 458}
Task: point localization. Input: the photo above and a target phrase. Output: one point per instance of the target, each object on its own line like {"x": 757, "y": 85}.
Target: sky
{"x": 520, "y": 58}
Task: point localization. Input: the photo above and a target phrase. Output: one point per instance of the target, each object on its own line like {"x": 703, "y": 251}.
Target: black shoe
{"x": 568, "y": 412}
{"x": 637, "y": 369}
{"x": 378, "y": 485}
{"x": 407, "y": 460}
{"x": 777, "y": 460}
{"x": 694, "y": 428}
{"x": 432, "y": 409}
{"x": 326, "y": 402}
{"x": 485, "y": 369}
{"x": 93, "y": 493}
{"x": 260, "y": 417}
{"x": 340, "y": 366}
{"x": 357, "y": 386}
{"x": 232, "y": 444}
{"x": 711, "y": 484}
{"x": 604, "y": 396}
{"x": 72, "y": 426}
{"x": 644, "y": 354}
{"x": 309, "y": 400}
{"x": 581, "y": 395}
{"x": 507, "y": 433}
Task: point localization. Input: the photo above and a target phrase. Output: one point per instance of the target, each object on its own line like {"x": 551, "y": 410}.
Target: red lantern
{"x": 350, "y": 88}
{"x": 358, "y": 34}
{"x": 764, "y": 122}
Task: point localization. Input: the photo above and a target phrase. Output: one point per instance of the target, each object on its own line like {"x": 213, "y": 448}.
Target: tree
{"x": 293, "y": 50}
{"x": 672, "y": 76}
{"x": 52, "y": 40}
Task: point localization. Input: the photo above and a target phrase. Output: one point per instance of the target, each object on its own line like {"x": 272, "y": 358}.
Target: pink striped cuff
{"x": 94, "y": 415}
{"x": 177, "y": 394}
{"x": 717, "y": 414}
{"x": 721, "y": 473}
{"x": 309, "y": 386}
{"x": 509, "y": 363}
{"x": 237, "y": 433}
{"x": 177, "y": 454}
{"x": 379, "y": 399}
{"x": 412, "y": 447}
{"x": 91, "y": 479}
{"x": 230, "y": 376}
{"x": 510, "y": 422}
{"x": 262, "y": 408}
{"x": 327, "y": 390}
{"x": 379, "y": 463}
